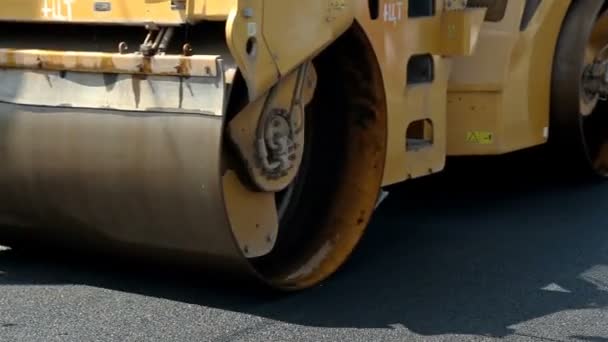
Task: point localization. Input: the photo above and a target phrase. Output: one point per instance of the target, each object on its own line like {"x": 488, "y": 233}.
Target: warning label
{"x": 480, "y": 137}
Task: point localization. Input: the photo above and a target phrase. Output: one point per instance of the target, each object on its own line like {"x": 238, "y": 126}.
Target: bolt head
{"x": 248, "y": 12}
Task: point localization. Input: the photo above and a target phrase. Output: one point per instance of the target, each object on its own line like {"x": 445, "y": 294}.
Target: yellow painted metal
{"x": 252, "y": 215}
{"x": 396, "y": 39}
{"x": 268, "y": 39}
{"x": 260, "y": 35}
{"x": 249, "y": 47}
{"x": 293, "y": 31}
{"x": 504, "y": 87}
{"x": 460, "y": 32}
{"x": 291, "y": 95}
{"x": 115, "y": 11}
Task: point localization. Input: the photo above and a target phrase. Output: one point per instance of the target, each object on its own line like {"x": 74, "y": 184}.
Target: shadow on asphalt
{"x": 473, "y": 251}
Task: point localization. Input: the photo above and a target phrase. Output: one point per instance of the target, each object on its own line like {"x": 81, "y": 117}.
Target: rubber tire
{"x": 568, "y": 140}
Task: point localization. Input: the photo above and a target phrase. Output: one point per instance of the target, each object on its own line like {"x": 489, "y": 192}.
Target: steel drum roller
{"x": 167, "y": 163}
{"x": 151, "y": 179}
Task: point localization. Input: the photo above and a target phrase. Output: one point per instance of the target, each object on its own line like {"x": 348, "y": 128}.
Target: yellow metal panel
{"x": 114, "y": 11}
{"x": 269, "y": 38}
{"x": 253, "y": 216}
{"x": 249, "y": 49}
{"x": 459, "y": 131}
{"x": 459, "y": 33}
{"x": 296, "y": 29}
{"x": 396, "y": 38}
{"x": 211, "y": 9}
{"x": 504, "y": 87}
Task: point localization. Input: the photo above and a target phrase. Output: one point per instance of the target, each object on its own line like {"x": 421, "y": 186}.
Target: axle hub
{"x": 277, "y": 146}
{"x": 595, "y": 80}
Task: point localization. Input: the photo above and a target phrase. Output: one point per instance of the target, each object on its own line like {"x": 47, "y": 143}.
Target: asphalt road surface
{"x": 514, "y": 257}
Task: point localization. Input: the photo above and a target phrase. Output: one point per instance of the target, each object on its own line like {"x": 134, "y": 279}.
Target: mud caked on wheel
{"x": 578, "y": 135}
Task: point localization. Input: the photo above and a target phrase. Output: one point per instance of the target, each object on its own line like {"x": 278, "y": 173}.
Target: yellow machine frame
{"x": 395, "y": 38}
{"x": 498, "y": 98}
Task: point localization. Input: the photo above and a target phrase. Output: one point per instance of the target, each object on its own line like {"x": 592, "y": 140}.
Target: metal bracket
{"x": 595, "y": 80}
{"x": 157, "y": 40}
{"x": 270, "y": 138}
{"x": 178, "y": 5}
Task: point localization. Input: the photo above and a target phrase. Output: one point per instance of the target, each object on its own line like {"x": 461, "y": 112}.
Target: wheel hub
{"x": 277, "y": 145}
{"x": 269, "y": 132}
{"x": 595, "y": 81}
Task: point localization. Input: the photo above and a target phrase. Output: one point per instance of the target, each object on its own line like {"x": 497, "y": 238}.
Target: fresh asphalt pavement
{"x": 479, "y": 253}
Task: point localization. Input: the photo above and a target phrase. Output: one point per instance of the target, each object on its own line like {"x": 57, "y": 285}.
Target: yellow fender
{"x": 270, "y": 38}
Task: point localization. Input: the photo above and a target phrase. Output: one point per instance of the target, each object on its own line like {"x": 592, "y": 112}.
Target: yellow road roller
{"x": 254, "y": 137}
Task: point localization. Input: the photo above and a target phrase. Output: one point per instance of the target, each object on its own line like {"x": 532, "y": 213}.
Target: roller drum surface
{"x": 150, "y": 180}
